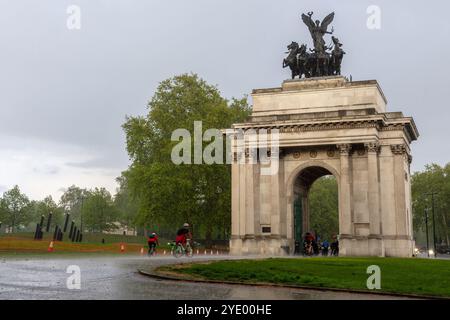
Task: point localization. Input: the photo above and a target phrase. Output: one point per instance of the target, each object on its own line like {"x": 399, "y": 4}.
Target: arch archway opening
{"x": 316, "y": 208}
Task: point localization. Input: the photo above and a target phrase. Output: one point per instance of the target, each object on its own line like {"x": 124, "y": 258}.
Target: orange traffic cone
{"x": 50, "y": 247}
{"x": 122, "y": 248}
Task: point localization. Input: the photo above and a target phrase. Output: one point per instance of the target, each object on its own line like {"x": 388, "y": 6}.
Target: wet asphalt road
{"x": 108, "y": 277}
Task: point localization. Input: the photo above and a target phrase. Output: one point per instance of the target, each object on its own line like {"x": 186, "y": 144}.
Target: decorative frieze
{"x": 331, "y": 153}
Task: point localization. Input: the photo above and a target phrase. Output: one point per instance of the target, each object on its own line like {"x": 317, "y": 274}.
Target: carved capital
{"x": 398, "y": 149}
{"x": 344, "y": 149}
{"x": 372, "y": 147}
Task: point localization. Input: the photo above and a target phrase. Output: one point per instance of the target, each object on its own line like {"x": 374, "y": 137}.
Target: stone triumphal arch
{"x": 327, "y": 126}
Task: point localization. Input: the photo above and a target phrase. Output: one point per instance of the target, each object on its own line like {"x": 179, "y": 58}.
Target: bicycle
{"x": 179, "y": 250}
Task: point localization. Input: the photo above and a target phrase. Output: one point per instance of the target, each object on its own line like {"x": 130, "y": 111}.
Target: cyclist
{"x": 183, "y": 235}
{"x": 152, "y": 243}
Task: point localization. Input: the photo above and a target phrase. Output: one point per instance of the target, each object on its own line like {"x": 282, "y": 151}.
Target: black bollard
{"x": 41, "y": 224}
{"x": 49, "y": 221}
{"x": 66, "y": 222}
{"x": 77, "y": 238}
{"x": 74, "y": 233}
{"x": 55, "y": 234}
{"x": 41, "y": 233}
{"x": 71, "y": 229}
{"x": 60, "y": 234}
{"x": 37, "y": 232}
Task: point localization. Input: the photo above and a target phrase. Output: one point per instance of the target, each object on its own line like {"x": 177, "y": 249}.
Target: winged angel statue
{"x": 318, "y": 30}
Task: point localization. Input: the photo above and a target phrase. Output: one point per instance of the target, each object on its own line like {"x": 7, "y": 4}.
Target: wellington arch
{"x": 327, "y": 126}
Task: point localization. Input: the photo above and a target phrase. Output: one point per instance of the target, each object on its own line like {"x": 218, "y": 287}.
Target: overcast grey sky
{"x": 65, "y": 93}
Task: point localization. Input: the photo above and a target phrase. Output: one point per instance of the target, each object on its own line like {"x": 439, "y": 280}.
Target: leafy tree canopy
{"x": 169, "y": 193}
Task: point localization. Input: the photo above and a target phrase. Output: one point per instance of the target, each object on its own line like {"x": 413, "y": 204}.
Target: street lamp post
{"x": 432, "y": 194}
{"x": 426, "y": 232}
{"x": 81, "y": 214}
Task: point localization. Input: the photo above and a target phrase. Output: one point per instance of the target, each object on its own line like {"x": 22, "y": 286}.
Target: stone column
{"x": 375, "y": 239}
{"x": 403, "y": 239}
{"x": 345, "y": 218}
{"x": 236, "y": 229}
{"x": 275, "y": 203}
{"x": 373, "y": 188}
{"x": 250, "y": 194}
{"x": 235, "y": 192}
{"x": 399, "y": 152}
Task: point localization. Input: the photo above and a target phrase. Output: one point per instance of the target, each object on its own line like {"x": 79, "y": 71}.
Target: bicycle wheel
{"x": 189, "y": 251}
{"x": 178, "y": 252}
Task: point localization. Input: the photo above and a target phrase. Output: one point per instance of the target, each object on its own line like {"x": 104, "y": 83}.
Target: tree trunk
{"x": 446, "y": 229}
{"x": 13, "y": 222}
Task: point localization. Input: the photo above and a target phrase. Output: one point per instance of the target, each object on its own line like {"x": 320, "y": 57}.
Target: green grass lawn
{"x": 410, "y": 276}
{"x": 87, "y": 237}
{"x": 23, "y": 243}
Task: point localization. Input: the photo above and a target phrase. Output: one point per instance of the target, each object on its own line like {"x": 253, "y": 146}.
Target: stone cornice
{"x": 378, "y": 121}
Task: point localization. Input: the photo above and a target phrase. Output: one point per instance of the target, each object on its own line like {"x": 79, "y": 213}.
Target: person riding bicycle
{"x": 183, "y": 235}
{"x": 152, "y": 243}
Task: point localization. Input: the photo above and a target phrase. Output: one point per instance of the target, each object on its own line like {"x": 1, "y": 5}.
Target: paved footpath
{"x": 116, "y": 277}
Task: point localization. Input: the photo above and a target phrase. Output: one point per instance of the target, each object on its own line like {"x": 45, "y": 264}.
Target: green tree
{"x": 324, "y": 207}
{"x": 433, "y": 179}
{"x": 14, "y": 209}
{"x": 43, "y": 208}
{"x": 99, "y": 213}
{"x": 72, "y": 201}
{"x": 126, "y": 205}
{"x": 172, "y": 194}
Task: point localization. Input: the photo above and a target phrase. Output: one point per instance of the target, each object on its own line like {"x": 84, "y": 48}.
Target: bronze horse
{"x": 336, "y": 57}
{"x": 291, "y": 60}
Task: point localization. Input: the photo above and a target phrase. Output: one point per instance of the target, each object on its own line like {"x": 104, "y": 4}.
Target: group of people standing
{"x": 313, "y": 246}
